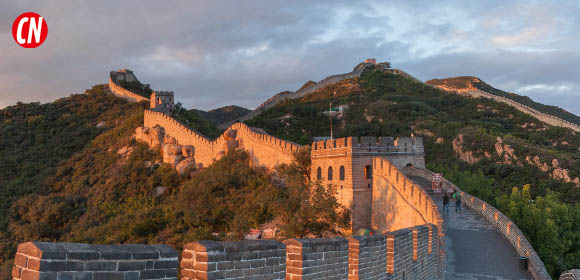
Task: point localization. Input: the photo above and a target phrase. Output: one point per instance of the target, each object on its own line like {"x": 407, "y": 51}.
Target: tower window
{"x": 341, "y": 175}
{"x": 319, "y": 173}
{"x": 330, "y": 173}
{"x": 368, "y": 172}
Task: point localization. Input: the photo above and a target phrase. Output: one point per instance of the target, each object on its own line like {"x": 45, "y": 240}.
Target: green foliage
{"x": 307, "y": 208}
{"x": 193, "y": 120}
{"x": 473, "y": 182}
{"x": 551, "y": 226}
{"x": 222, "y": 115}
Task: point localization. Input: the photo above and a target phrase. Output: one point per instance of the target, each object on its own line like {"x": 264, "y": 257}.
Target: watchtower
{"x": 161, "y": 100}
{"x": 345, "y": 165}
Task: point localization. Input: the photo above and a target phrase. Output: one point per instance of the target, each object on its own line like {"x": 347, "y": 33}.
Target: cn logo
{"x": 29, "y": 30}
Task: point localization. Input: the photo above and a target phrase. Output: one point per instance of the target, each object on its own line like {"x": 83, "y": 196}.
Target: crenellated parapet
{"x": 398, "y": 202}
{"x": 373, "y": 145}
{"x": 115, "y": 88}
{"x": 411, "y": 253}
{"x": 264, "y": 150}
{"x": 48, "y": 260}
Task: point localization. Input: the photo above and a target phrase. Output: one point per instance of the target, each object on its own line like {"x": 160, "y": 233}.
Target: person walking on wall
{"x": 457, "y": 197}
{"x": 446, "y": 203}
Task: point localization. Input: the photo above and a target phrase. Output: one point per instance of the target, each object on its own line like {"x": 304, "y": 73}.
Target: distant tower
{"x": 371, "y": 60}
{"x": 161, "y": 101}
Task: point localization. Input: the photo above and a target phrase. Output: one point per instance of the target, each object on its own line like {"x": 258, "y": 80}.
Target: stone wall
{"x": 52, "y": 261}
{"x": 127, "y": 94}
{"x": 573, "y": 274}
{"x": 320, "y": 258}
{"x": 265, "y": 150}
{"x": 549, "y": 119}
{"x": 398, "y": 202}
{"x": 502, "y": 223}
{"x": 411, "y": 253}
{"x": 250, "y": 259}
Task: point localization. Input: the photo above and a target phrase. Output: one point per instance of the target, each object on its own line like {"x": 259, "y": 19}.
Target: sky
{"x": 217, "y": 53}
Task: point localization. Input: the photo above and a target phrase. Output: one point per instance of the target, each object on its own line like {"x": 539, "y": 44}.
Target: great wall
{"x": 372, "y": 176}
{"x": 476, "y": 93}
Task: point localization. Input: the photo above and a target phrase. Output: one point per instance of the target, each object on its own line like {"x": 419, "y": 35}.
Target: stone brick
{"x": 153, "y": 274}
{"x": 110, "y": 276}
{"x": 131, "y": 265}
{"x": 75, "y": 275}
{"x": 100, "y": 266}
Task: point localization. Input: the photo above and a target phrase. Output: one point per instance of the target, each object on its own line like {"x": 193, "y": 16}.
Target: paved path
{"x": 474, "y": 248}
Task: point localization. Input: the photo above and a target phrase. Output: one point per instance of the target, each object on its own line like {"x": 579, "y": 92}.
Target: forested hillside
{"x": 487, "y": 148}
{"x": 71, "y": 171}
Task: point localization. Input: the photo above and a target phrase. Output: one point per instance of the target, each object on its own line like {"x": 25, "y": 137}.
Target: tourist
{"x": 457, "y": 197}
{"x": 446, "y": 203}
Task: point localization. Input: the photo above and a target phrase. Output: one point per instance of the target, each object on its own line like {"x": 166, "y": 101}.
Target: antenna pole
{"x": 330, "y": 115}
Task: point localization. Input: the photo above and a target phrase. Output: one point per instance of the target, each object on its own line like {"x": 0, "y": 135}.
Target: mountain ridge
{"x": 475, "y": 87}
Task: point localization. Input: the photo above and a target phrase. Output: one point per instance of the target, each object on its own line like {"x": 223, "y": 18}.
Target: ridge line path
{"x": 474, "y": 249}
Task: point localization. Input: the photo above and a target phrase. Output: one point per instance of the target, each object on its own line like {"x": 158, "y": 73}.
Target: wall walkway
{"x": 549, "y": 119}
{"x": 127, "y": 94}
{"x": 465, "y": 229}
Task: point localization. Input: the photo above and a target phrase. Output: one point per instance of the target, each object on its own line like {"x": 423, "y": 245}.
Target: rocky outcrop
{"x": 179, "y": 156}
{"x": 463, "y": 154}
{"x": 153, "y": 136}
{"x": 506, "y": 151}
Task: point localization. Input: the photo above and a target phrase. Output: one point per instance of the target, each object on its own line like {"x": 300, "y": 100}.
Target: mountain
{"x": 488, "y": 147}
{"x": 469, "y": 84}
{"x": 71, "y": 170}
{"x": 223, "y": 115}
{"x": 472, "y": 132}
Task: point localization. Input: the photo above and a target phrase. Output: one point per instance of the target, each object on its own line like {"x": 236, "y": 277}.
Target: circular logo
{"x": 29, "y": 30}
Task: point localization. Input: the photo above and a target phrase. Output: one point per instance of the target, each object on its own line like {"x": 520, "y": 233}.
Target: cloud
{"x": 215, "y": 53}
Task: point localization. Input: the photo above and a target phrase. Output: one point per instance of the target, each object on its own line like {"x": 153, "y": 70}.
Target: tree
{"x": 307, "y": 208}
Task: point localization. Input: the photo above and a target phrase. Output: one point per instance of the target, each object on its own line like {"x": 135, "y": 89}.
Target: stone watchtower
{"x": 345, "y": 165}
{"x": 161, "y": 101}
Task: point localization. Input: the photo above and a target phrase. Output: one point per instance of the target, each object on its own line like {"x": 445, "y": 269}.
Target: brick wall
{"x": 367, "y": 257}
{"x": 319, "y": 258}
{"x": 571, "y": 275}
{"x": 127, "y": 94}
{"x": 264, "y": 150}
{"x": 52, "y": 261}
{"x": 250, "y": 259}
{"x": 411, "y": 253}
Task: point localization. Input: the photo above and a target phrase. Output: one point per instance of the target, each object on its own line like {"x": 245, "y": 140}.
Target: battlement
{"x": 411, "y": 253}
{"x": 371, "y": 60}
{"x": 163, "y": 93}
{"x": 420, "y": 207}
{"x": 116, "y": 89}
{"x": 265, "y": 149}
{"x": 124, "y": 70}
{"x": 365, "y": 144}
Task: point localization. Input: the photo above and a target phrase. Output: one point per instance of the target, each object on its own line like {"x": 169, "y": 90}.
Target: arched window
{"x": 330, "y": 173}
{"x": 319, "y": 173}
{"x": 368, "y": 172}
{"x": 341, "y": 175}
